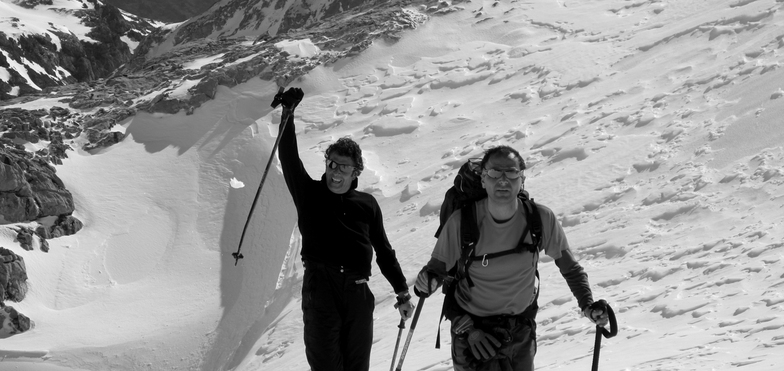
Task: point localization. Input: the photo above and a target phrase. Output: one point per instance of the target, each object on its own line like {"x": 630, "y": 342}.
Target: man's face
{"x": 341, "y": 171}
{"x": 497, "y": 183}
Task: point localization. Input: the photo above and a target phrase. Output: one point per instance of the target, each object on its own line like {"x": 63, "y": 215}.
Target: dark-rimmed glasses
{"x": 343, "y": 167}
{"x": 509, "y": 174}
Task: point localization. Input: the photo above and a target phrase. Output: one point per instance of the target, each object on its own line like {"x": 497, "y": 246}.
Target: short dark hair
{"x": 503, "y": 151}
{"x": 347, "y": 147}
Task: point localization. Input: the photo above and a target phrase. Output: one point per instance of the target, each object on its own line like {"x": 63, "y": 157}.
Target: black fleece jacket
{"x": 340, "y": 230}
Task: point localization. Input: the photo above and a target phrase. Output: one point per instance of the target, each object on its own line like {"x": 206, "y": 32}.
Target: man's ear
{"x": 355, "y": 174}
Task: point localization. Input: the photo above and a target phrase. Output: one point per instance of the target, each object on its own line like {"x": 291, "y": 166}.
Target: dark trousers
{"x": 517, "y": 335}
{"x": 338, "y": 316}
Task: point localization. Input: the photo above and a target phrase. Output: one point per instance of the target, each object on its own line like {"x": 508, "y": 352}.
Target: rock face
{"x": 342, "y": 35}
{"x": 13, "y": 287}
{"x": 30, "y": 189}
{"x": 264, "y": 17}
{"x": 33, "y": 62}
{"x": 13, "y": 322}
{"x": 13, "y": 276}
{"x": 164, "y": 11}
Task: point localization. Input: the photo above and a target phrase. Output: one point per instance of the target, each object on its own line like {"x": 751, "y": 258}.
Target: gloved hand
{"x": 291, "y": 98}
{"x": 404, "y": 305}
{"x": 462, "y": 324}
{"x": 482, "y": 344}
{"x": 426, "y": 284}
{"x": 597, "y": 313}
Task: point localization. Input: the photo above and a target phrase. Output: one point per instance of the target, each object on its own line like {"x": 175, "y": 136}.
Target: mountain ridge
{"x": 46, "y": 44}
{"x": 163, "y": 11}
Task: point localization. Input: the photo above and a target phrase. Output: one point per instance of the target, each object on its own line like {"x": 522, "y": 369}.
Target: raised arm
{"x": 288, "y": 152}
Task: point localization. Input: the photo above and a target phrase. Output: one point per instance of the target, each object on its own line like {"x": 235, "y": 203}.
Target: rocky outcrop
{"x": 19, "y": 126}
{"x": 13, "y": 276}
{"x": 110, "y": 52}
{"x": 13, "y": 322}
{"x": 31, "y": 4}
{"x": 163, "y": 11}
{"x": 339, "y": 37}
{"x": 65, "y": 225}
{"x": 30, "y": 189}
{"x": 13, "y": 287}
{"x": 265, "y": 17}
{"x": 47, "y": 62}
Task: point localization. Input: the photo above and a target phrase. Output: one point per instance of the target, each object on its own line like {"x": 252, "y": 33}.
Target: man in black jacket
{"x": 341, "y": 228}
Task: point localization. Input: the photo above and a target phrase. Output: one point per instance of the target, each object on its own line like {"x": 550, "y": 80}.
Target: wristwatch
{"x": 403, "y": 297}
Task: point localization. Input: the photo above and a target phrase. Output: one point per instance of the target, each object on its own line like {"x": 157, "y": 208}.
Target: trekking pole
{"x": 401, "y": 326}
{"x": 410, "y": 333}
{"x": 284, "y": 120}
{"x": 602, "y": 331}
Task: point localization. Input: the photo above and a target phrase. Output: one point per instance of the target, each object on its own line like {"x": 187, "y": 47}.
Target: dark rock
{"x": 13, "y": 322}
{"x": 104, "y": 139}
{"x": 65, "y": 225}
{"x": 17, "y": 209}
{"x": 56, "y": 112}
{"x": 44, "y": 244}
{"x": 41, "y": 192}
{"x": 25, "y": 238}
{"x": 13, "y": 276}
{"x": 43, "y": 232}
{"x": 30, "y": 4}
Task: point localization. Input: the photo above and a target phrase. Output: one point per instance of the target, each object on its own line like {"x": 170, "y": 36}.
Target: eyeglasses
{"x": 509, "y": 174}
{"x": 343, "y": 167}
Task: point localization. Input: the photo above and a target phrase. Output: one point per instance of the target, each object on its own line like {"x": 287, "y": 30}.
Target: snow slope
{"x": 653, "y": 129}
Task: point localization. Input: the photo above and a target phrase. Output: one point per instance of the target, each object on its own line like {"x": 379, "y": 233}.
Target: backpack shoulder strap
{"x": 534, "y": 221}
{"x": 469, "y": 236}
{"x": 469, "y": 230}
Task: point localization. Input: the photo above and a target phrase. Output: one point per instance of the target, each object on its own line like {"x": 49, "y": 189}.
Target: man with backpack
{"x": 486, "y": 256}
{"x": 341, "y": 228}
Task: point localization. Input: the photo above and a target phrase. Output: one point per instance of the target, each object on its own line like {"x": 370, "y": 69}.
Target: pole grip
{"x": 613, "y": 324}
{"x": 601, "y": 331}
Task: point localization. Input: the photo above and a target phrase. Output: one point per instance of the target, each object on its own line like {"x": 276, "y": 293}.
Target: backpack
{"x": 467, "y": 189}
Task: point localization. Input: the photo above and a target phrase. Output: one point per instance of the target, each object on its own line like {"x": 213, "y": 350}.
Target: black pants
{"x": 337, "y": 309}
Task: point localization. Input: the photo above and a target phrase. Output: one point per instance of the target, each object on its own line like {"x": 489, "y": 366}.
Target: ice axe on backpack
{"x": 601, "y": 331}
{"x": 283, "y": 120}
